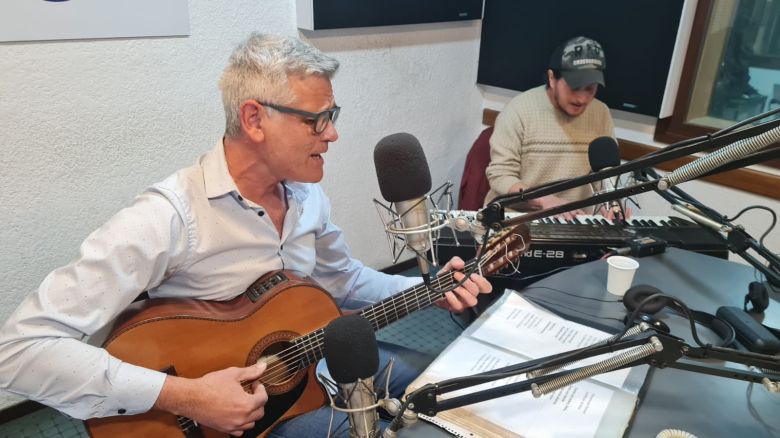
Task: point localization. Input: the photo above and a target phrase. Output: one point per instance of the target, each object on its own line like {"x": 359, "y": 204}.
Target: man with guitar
{"x": 197, "y": 241}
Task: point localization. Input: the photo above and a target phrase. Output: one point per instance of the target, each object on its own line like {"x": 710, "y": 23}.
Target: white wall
{"x": 88, "y": 124}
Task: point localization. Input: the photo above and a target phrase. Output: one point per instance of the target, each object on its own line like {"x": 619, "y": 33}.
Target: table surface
{"x": 706, "y": 406}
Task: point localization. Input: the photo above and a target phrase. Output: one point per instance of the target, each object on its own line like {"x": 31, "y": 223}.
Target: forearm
{"x": 228, "y": 400}
{"x": 177, "y": 396}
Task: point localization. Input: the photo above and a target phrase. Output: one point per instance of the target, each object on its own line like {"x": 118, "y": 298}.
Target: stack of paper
{"x": 514, "y": 331}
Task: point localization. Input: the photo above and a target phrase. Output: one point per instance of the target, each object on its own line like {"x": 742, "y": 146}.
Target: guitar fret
{"x": 406, "y": 306}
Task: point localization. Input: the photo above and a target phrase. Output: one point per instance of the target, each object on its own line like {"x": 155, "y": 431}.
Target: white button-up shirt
{"x": 192, "y": 235}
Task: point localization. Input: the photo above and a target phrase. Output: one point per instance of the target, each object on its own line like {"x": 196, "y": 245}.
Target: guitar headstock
{"x": 504, "y": 247}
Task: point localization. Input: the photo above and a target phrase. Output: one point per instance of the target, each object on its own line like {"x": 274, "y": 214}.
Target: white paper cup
{"x": 620, "y": 274}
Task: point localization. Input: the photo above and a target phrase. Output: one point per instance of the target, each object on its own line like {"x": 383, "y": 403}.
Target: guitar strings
{"x": 312, "y": 342}
{"x": 283, "y": 371}
{"x": 292, "y": 355}
{"x": 375, "y": 313}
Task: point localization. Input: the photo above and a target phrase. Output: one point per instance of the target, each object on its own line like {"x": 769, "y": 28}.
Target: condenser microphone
{"x": 603, "y": 154}
{"x": 405, "y": 179}
{"x": 352, "y": 357}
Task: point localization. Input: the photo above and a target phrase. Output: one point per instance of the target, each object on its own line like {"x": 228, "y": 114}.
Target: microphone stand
{"x": 657, "y": 349}
{"x": 737, "y": 239}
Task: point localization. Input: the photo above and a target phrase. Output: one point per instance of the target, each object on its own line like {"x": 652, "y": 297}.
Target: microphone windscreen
{"x": 401, "y": 168}
{"x": 350, "y": 349}
{"x": 602, "y": 153}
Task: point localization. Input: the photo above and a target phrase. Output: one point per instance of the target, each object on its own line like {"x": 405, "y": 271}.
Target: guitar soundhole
{"x": 283, "y": 371}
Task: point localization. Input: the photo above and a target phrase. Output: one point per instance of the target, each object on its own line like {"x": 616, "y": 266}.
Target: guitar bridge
{"x": 263, "y": 285}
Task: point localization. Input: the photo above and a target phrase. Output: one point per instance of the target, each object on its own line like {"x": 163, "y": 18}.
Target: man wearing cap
{"x": 543, "y": 134}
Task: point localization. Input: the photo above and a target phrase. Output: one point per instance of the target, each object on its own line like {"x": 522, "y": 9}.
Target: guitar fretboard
{"x": 381, "y": 314}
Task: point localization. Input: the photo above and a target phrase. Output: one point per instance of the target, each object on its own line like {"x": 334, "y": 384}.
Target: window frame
{"x": 674, "y": 128}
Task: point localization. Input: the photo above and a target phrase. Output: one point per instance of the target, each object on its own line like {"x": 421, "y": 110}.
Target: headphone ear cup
{"x": 758, "y": 296}
{"x": 635, "y": 294}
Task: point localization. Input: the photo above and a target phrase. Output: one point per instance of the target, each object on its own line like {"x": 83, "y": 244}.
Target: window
{"x": 731, "y": 70}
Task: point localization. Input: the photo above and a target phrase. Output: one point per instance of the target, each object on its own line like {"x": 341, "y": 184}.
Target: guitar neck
{"x": 393, "y": 308}
{"x": 383, "y": 313}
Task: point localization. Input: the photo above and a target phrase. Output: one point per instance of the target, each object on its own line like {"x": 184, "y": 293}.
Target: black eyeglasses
{"x": 319, "y": 121}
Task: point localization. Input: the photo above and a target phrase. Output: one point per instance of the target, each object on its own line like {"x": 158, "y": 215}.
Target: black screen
{"x": 637, "y": 36}
{"x": 339, "y": 14}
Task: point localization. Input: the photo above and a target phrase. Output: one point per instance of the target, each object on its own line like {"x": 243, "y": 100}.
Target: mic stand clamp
{"x": 739, "y": 241}
{"x": 492, "y": 215}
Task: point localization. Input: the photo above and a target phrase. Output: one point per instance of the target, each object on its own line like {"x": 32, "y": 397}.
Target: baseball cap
{"x": 581, "y": 61}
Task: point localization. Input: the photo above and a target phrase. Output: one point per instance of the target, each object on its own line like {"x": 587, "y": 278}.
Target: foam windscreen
{"x": 602, "y": 153}
{"x": 401, "y": 168}
{"x": 350, "y": 349}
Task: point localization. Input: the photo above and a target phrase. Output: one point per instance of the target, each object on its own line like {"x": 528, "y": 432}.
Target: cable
{"x": 674, "y": 433}
{"x": 550, "y": 272}
{"x": 757, "y": 207}
{"x": 535, "y": 299}
{"x": 452, "y": 317}
{"x": 680, "y": 308}
{"x": 572, "y": 294}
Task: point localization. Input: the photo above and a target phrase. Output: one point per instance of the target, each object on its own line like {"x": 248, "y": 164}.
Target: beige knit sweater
{"x": 535, "y": 143}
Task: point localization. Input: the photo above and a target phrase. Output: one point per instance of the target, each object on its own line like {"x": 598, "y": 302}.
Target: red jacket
{"x": 474, "y": 185}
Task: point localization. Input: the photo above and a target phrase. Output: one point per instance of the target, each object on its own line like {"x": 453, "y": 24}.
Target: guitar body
{"x": 190, "y": 338}
{"x": 280, "y": 319}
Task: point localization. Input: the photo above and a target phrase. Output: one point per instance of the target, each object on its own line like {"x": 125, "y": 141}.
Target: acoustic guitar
{"x": 279, "y": 319}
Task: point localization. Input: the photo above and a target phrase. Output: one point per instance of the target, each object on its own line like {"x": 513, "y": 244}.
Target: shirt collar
{"x": 218, "y": 181}
{"x": 216, "y": 177}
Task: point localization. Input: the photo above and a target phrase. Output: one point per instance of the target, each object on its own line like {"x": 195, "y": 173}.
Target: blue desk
{"x": 705, "y": 406}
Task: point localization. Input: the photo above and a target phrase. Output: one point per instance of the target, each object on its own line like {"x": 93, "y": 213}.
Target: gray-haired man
{"x": 250, "y": 205}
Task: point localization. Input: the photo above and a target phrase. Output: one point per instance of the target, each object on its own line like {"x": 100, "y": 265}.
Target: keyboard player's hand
{"x": 551, "y": 201}
{"x": 608, "y": 213}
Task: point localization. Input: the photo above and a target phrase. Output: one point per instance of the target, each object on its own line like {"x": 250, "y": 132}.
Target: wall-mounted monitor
{"x": 341, "y": 14}
{"x": 638, "y": 37}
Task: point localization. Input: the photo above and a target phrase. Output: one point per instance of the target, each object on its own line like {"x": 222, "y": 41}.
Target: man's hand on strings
{"x": 465, "y": 296}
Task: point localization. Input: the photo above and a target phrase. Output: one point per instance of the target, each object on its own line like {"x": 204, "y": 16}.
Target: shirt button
{"x": 122, "y": 411}
{"x": 261, "y": 213}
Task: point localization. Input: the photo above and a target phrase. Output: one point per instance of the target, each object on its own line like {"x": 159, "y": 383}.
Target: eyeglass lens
{"x": 326, "y": 116}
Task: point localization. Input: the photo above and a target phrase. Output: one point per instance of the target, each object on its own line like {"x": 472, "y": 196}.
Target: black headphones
{"x": 758, "y": 296}
{"x": 636, "y": 294}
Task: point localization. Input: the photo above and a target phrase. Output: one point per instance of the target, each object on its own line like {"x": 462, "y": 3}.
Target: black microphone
{"x": 603, "y": 154}
{"x": 405, "y": 179}
{"x": 352, "y": 357}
